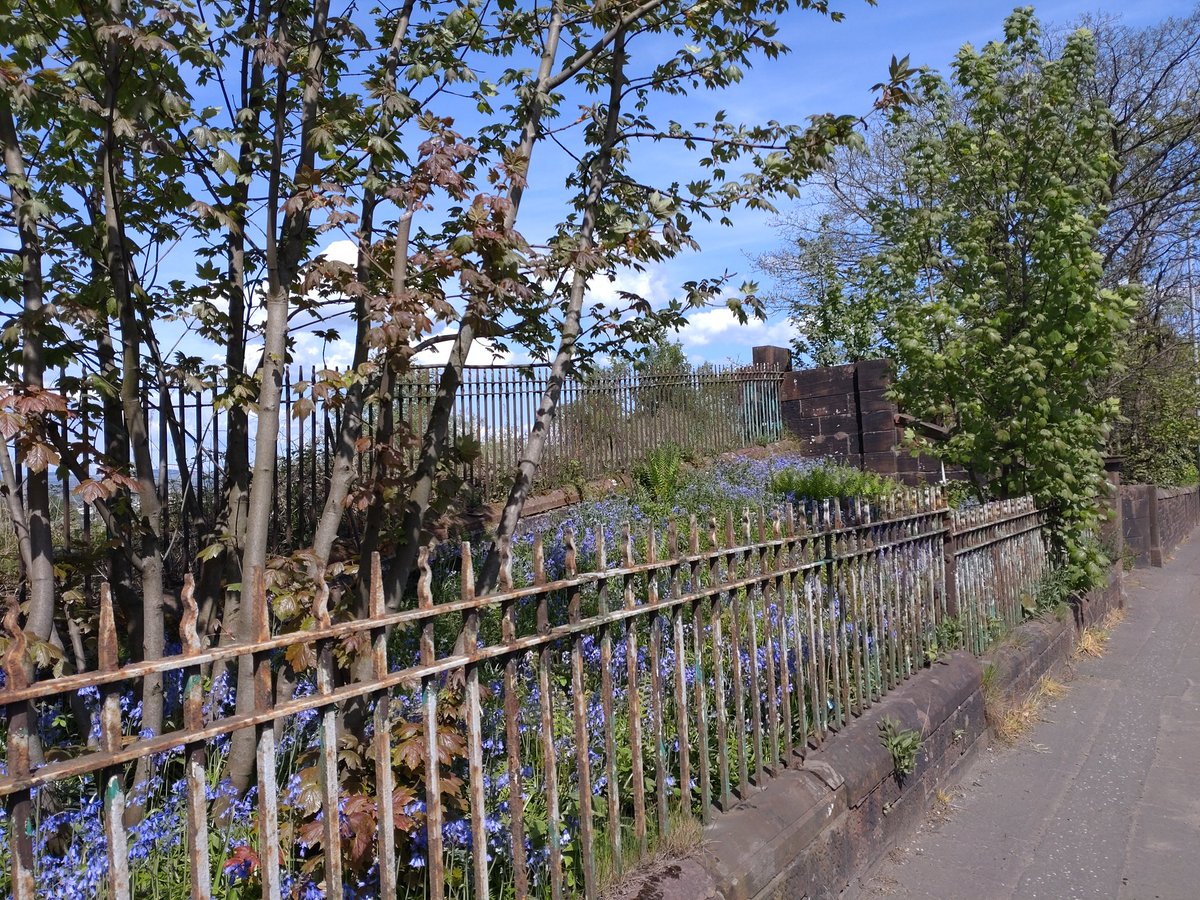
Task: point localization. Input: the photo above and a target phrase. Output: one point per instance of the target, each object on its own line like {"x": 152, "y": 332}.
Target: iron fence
{"x": 535, "y": 741}
{"x": 605, "y": 423}
{"x": 999, "y": 557}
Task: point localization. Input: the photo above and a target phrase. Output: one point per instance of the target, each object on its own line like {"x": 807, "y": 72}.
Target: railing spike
{"x": 539, "y": 559}
{"x": 601, "y": 549}
{"x": 506, "y": 579}
{"x": 320, "y": 609}
{"x": 572, "y": 552}
{"x": 107, "y": 632}
{"x": 15, "y": 671}
{"x": 376, "y": 607}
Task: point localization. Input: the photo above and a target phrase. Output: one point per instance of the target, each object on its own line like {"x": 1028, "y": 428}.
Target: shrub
{"x": 830, "y": 482}
{"x": 903, "y": 745}
{"x": 659, "y": 478}
{"x": 1071, "y": 578}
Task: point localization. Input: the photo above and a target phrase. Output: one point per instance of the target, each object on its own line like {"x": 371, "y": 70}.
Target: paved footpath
{"x": 1103, "y": 798}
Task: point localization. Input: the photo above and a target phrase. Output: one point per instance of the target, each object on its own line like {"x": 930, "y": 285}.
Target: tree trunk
{"x": 433, "y": 444}
{"x": 535, "y": 444}
{"x": 217, "y": 604}
{"x": 125, "y": 594}
{"x": 285, "y": 247}
{"x": 40, "y": 565}
{"x": 149, "y": 523}
{"x": 343, "y": 466}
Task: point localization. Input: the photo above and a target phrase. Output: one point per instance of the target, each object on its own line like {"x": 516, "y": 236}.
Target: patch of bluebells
{"x": 70, "y": 843}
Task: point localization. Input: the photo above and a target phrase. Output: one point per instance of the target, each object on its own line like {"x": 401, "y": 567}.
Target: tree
{"x": 244, "y": 135}
{"x": 1147, "y": 78}
{"x": 822, "y": 287}
{"x": 1003, "y": 326}
{"x": 1159, "y": 430}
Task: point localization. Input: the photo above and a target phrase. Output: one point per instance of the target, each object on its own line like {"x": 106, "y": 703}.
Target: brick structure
{"x": 1156, "y": 520}
{"x": 844, "y": 413}
{"x": 777, "y": 358}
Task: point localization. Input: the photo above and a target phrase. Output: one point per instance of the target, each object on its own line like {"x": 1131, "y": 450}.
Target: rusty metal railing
{"x": 606, "y": 422}
{"x": 999, "y": 557}
{"x": 533, "y": 742}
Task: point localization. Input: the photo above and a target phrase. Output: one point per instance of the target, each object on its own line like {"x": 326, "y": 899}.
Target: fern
{"x": 658, "y": 477}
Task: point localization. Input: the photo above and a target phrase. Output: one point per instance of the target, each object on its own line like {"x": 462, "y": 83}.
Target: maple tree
{"x": 245, "y": 136}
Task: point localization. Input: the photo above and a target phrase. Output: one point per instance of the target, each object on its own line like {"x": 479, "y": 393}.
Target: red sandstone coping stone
{"x": 677, "y": 879}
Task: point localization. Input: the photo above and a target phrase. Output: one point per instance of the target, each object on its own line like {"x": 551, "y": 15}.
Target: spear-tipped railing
{"x": 537, "y": 740}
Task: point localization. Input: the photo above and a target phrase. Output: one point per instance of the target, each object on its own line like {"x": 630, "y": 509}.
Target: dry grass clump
{"x": 1094, "y": 640}
{"x": 1012, "y": 718}
{"x": 1113, "y": 618}
{"x": 684, "y": 837}
{"x": 1050, "y": 688}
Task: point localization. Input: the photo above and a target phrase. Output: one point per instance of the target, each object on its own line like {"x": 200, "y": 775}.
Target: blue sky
{"x": 830, "y": 69}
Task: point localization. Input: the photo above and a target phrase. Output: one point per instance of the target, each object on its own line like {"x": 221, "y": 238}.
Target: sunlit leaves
{"x": 1001, "y": 325}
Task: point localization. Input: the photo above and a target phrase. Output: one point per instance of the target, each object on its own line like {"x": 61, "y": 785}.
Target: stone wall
{"x": 843, "y": 413}
{"x": 1178, "y": 514}
{"x": 1155, "y": 520}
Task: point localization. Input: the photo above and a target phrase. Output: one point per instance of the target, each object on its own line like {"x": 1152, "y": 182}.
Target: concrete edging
{"x": 827, "y": 818}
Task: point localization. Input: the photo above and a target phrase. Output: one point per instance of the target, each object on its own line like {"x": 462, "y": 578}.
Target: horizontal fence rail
{"x": 606, "y": 421}
{"x": 999, "y": 557}
{"x": 533, "y": 742}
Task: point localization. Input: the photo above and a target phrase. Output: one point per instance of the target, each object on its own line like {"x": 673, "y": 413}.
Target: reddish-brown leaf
{"x": 38, "y": 456}
{"x": 244, "y": 859}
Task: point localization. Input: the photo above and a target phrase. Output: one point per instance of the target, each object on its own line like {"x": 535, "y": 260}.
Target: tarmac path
{"x": 1102, "y": 798}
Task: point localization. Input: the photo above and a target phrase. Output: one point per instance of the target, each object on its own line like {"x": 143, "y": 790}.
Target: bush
{"x": 961, "y": 495}
{"x": 658, "y": 478}
{"x": 1074, "y": 576}
{"x": 829, "y": 483}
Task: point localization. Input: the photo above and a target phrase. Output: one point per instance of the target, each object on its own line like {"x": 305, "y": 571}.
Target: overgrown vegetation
{"x": 1005, "y": 353}
{"x": 199, "y": 193}
{"x": 663, "y": 483}
{"x": 1065, "y": 581}
{"x": 1158, "y": 434}
{"x": 827, "y": 482}
{"x": 1017, "y": 242}
{"x": 904, "y": 745}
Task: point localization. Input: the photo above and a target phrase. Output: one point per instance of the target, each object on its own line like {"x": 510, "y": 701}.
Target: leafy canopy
{"x": 1001, "y": 326}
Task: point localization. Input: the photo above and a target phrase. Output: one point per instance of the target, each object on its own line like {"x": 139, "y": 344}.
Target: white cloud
{"x": 310, "y": 350}
{"x": 343, "y": 251}
{"x": 717, "y": 334}
{"x": 647, "y": 284}
{"x": 483, "y": 352}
